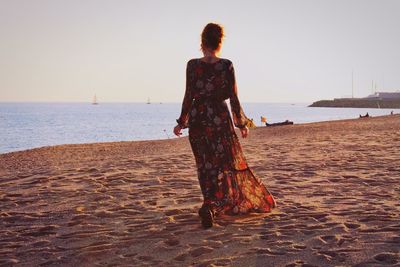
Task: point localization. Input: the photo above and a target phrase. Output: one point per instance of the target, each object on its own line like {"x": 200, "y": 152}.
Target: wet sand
{"x": 337, "y": 186}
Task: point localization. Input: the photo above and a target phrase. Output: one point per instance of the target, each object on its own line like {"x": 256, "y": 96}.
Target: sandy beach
{"x": 337, "y": 186}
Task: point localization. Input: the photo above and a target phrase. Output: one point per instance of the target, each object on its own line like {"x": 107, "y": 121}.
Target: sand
{"x": 135, "y": 203}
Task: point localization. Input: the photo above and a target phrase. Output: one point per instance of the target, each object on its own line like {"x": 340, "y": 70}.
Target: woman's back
{"x": 209, "y": 80}
{"x": 208, "y": 85}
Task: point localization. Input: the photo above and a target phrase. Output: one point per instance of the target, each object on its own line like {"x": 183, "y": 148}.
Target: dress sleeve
{"x": 187, "y": 100}
{"x": 239, "y": 118}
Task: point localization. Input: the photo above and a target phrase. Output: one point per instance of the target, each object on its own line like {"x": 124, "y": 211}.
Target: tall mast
{"x": 352, "y": 84}
{"x": 372, "y": 87}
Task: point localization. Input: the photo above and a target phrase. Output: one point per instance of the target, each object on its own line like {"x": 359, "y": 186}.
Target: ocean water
{"x": 30, "y": 125}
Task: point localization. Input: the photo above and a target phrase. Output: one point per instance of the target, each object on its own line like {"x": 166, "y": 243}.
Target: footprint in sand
{"x": 299, "y": 263}
{"x": 268, "y": 251}
{"x": 145, "y": 258}
{"x": 352, "y": 225}
{"x": 104, "y": 214}
{"x": 40, "y": 244}
{"x": 223, "y": 236}
{"x": 181, "y": 257}
{"x": 46, "y": 230}
{"x": 173, "y": 212}
{"x": 172, "y": 242}
{"x": 328, "y": 238}
{"x": 299, "y": 247}
{"x": 8, "y": 262}
{"x": 200, "y": 251}
{"x": 387, "y": 258}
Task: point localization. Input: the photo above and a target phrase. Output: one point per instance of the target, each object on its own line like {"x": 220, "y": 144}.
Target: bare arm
{"x": 186, "y": 104}
{"x": 239, "y": 118}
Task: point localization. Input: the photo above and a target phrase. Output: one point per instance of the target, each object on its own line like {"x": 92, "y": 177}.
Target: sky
{"x": 129, "y": 51}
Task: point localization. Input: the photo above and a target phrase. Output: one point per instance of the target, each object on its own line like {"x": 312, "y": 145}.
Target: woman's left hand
{"x": 177, "y": 130}
{"x": 244, "y": 131}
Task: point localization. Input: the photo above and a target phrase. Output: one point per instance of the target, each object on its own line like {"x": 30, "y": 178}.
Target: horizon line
{"x": 144, "y": 102}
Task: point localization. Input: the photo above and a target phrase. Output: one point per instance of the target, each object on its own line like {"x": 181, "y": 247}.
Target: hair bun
{"x": 212, "y": 35}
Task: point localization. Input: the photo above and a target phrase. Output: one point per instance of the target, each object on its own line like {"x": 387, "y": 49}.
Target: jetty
{"x": 376, "y": 100}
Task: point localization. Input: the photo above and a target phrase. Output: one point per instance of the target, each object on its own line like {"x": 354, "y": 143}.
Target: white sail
{"x": 95, "y": 100}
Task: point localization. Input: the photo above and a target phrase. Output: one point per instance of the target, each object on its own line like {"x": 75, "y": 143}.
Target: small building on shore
{"x": 384, "y": 96}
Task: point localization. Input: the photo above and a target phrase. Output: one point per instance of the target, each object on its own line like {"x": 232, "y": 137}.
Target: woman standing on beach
{"x": 227, "y": 183}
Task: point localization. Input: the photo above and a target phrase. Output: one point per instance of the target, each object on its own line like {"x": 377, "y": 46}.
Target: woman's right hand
{"x": 244, "y": 131}
{"x": 177, "y": 130}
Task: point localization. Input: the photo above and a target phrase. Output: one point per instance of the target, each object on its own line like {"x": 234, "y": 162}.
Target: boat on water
{"x": 95, "y": 100}
{"x": 148, "y": 100}
{"x": 286, "y": 122}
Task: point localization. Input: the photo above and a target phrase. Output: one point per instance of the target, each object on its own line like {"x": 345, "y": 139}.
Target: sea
{"x": 32, "y": 125}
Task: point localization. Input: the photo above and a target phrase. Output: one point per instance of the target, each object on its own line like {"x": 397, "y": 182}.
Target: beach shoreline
{"x": 336, "y": 184}
{"x": 166, "y": 139}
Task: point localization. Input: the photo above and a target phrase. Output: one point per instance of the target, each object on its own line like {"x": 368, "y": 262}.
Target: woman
{"x": 227, "y": 184}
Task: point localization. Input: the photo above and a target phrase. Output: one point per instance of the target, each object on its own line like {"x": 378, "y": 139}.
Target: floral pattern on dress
{"x": 228, "y": 185}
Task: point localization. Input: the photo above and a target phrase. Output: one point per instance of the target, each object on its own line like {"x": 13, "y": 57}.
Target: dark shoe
{"x": 207, "y": 216}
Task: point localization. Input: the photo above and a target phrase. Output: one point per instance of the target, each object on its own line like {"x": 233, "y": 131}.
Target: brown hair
{"x": 211, "y": 37}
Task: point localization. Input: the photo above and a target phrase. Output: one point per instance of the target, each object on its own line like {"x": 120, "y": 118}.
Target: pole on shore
{"x": 165, "y": 131}
{"x": 372, "y": 87}
{"x": 352, "y": 84}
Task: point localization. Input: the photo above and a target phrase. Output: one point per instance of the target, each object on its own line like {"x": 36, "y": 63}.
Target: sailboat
{"x": 95, "y": 100}
{"x": 148, "y": 100}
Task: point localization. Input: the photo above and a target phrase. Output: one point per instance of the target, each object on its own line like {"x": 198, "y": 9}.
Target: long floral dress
{"x": 227, "y": 183}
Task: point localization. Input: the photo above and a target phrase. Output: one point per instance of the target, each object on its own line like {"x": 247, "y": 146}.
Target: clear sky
{"x": 283, "y": 51}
